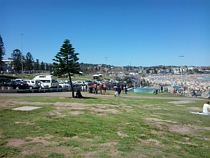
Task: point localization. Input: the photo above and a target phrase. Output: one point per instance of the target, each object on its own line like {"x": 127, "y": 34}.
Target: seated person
{"x": 78, "y": 94}
{"x": 206, "y": 107}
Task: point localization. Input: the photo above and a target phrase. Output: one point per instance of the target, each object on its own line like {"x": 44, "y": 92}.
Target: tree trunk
{"x": 72, "y": 88}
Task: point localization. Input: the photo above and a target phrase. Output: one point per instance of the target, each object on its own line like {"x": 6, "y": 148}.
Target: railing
{"x": 5, "y": 89}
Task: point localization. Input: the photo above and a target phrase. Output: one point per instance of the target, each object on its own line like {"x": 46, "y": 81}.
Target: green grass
{"x": 131, "y": 126}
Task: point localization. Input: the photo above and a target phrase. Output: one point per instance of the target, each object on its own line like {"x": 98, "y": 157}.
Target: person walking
{"x": 116, "y": 92}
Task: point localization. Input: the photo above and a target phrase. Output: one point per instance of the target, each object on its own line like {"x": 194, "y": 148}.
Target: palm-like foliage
{"x": 2, "y": 53}
{"x": 29, "y": 61}
{"x": 17, "y": 60}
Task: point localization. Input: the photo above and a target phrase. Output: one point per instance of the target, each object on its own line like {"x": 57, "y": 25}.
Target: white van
{"x": 48, "y": 81}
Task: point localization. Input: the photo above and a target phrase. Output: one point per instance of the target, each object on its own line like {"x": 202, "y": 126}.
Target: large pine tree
{"x": 66, "y": 62}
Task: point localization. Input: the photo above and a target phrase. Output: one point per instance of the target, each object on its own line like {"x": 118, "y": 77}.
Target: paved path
{"x": 85, "y": 94}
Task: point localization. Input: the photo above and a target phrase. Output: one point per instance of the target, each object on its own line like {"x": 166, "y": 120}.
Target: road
{"x": 86, "y": 94}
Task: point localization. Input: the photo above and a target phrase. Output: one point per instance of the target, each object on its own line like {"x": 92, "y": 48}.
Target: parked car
{"x": 64, "y": 84}
{"x": 31, "y": 83}
{"x": 23, "y": 85}
{"x": 14, "y": 84}
{"x": 18, "y": 80}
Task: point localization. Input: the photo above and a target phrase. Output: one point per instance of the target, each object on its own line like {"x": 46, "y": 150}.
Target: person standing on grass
{"x": 119, "y": 90}
{"x": 116, "y": 92}
{"x": 206, "y": 107}
{"x": 126, "y": 90}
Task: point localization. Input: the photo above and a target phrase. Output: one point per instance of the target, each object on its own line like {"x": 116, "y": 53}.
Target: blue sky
{"x": 116, "y": 32}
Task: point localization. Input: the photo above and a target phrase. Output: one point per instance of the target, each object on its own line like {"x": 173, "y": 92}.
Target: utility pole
{"x": 21, "y": 48}
{"x": 181, "y": 56}
{"x": 106, "y": 68}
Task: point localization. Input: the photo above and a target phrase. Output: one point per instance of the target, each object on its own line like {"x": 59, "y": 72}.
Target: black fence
{"x": 5, "y": 89}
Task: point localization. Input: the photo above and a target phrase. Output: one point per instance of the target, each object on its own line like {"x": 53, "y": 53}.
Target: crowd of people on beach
{"x": 194, "y": 85}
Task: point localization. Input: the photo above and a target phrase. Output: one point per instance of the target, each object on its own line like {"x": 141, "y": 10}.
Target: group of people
{"x": 95, "y": 88}
{"x": 118, "y": 90}
{"x": 102, "y": 88}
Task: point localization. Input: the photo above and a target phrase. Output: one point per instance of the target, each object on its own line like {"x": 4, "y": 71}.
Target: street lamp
{"x": 21, "y": 47}
{"x": 181, "y": 56}
{"x": 22, "y": 64}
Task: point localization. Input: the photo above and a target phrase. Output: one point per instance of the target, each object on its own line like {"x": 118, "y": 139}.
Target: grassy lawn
{"x": 131, "y": 126}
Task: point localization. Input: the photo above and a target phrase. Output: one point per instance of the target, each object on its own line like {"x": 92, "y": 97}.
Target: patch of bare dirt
{"x": 180, "y": 102}
{"x": 71, "y": 106}
{"x": 152, "y": 107}
{"x": 181, "y": 105}
{"x": 45, "y": 141}
{"x": 24, "y": 123}
{"x": 13, "y": 103}
{"x": 206, "y": 139}
{"x": 181, "y": 129}
{"x": 151, "y": 142}
{"x": 187, "y": 143}
{"x": 16, "y": 142}
{"x": 80, "y": 108}
{"x": 143, "y": 144}
{"x": 57, "y": 113}
{"x": 158, "y": 133}
{"x": 152, "y": 119}
{"x": 43, "y": 146}
{"x": 44, "y": 151}
{"x": 122, "y": 134}
{"x": 201, "y": 128}
{"x": 1, "y": 133}
{"x": 75, "y": 113}
{"x": 196, "y": 109}
{"x": 172, "y": 126}
{"x": 102, "y": 111}
{"x": 81, "y": 140}
{"x": 110, "y": 148}
{"x": 62, "y": 97}
{"x": 7, "y": 104}
{"x": 31, "y": 103}
{"x": 187, "y": 129}
{"x": 90, "y": 154}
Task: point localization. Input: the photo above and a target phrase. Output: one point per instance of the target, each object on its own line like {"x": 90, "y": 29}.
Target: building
{"x": 7, "y": 65}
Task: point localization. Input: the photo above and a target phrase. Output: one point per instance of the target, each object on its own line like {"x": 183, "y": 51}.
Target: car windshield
{"x": 45, "y": 81}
